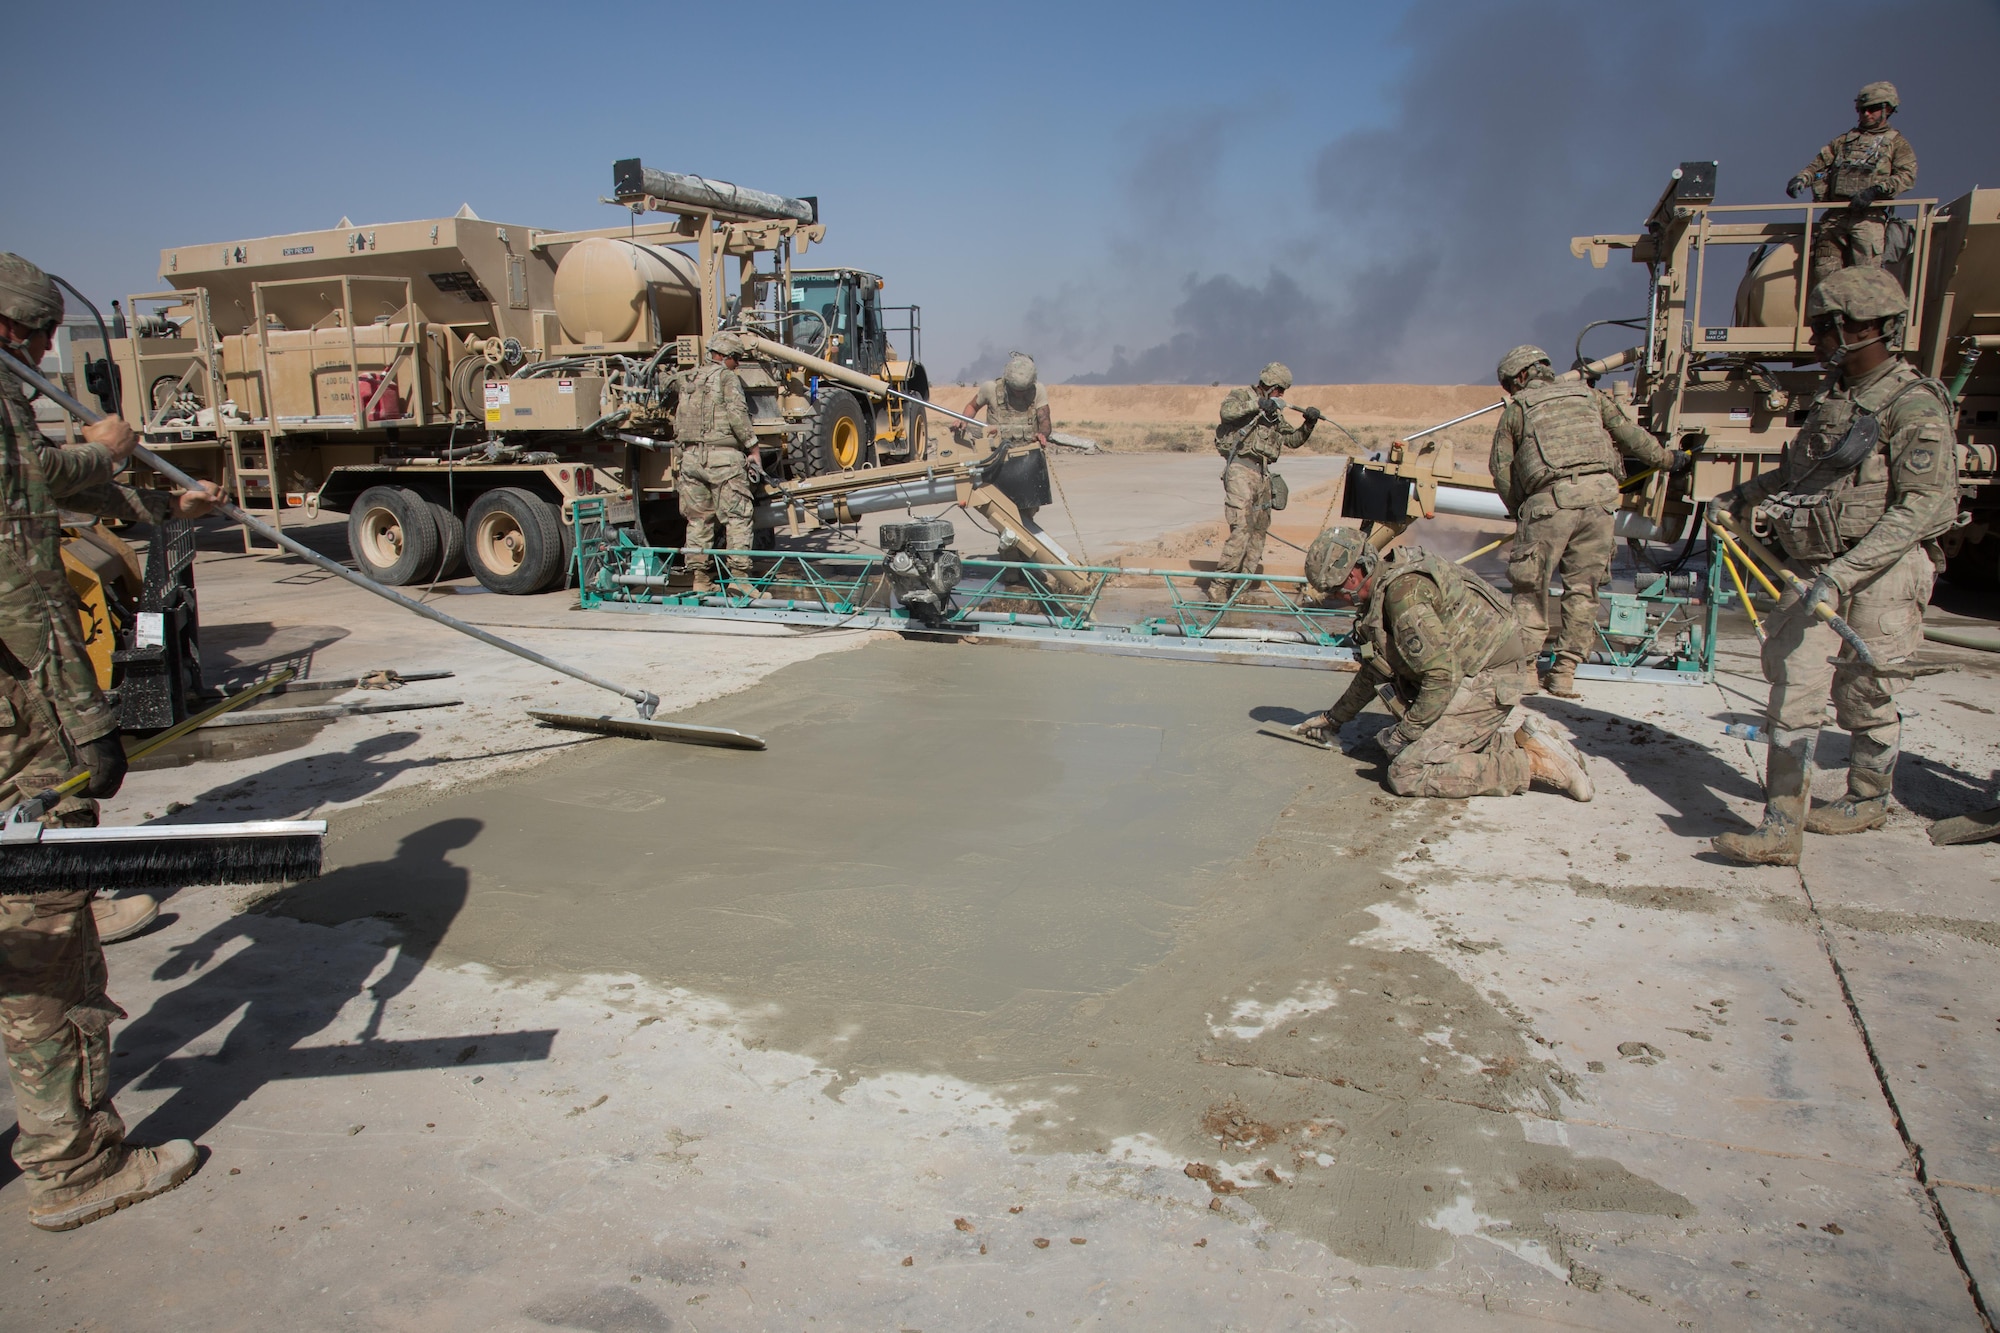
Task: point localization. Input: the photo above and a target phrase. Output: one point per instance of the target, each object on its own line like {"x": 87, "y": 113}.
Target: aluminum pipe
{"x": 868, "y": 500}
{"x": 1462, "y": 502}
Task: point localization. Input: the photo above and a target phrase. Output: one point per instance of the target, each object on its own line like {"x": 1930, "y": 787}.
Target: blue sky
{"x": 1169, "y": 191}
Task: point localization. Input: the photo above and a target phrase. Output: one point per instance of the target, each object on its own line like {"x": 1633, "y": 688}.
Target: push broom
{"x": 34, "y": 859}
{"x": 644, "y": 727}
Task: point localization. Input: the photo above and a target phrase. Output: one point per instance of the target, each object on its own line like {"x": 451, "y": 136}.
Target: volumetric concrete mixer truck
{"x": 454, "y": 385}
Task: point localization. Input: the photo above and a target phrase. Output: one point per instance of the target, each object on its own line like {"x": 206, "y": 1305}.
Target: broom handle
{"x": 180, "y": 729}
{"x": 648, "y": 702}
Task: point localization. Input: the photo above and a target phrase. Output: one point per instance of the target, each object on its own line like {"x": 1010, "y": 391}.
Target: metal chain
{"x": 1075, "y": 531}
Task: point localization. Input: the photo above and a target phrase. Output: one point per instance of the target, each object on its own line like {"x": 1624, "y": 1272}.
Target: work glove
{"x": 1392, "y": 740}
{"x": 1320, "y": 728}
{"x": 1799, "y": 186}
{"x": 1271, "y": 407}
{"x": 1679, "y": 461}
{"x": 1858, "y": 201}
{"x": 105, "y": 757}
{"x": 1823, "y": 593}
{"x": 1313, "y": 414}
{"x": 1724, "y": 506}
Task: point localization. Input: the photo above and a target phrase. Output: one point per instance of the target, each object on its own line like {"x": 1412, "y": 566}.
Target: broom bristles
{"x": 163, "y": 857}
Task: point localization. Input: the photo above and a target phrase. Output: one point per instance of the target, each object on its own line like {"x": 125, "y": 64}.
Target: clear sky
{"x": 1163, "y": 192}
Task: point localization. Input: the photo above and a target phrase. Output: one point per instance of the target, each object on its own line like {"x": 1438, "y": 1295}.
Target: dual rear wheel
{"x": 512, "y": 539}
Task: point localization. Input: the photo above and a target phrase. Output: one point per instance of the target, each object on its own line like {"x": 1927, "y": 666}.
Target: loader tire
{"x": 840, "y": 440}
{"x": 513, "y": 541}
{"x": 393, "y": 536}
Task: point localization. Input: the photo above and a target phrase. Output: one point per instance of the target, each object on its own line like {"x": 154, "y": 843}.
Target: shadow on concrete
{"x": 291, "y": 987}
{"x": 300, "y": 785}
{"x": 1685, "y": 774}
{"x": 242, "y": 654}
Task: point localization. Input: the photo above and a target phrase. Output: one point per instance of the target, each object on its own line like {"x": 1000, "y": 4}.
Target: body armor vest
{"x": 1860, "y": 161}
{"x": 1562, "y": 435}
{"x": 700, "y": 419}
{"x": 1479, "y": 626}
{"x": 1015, "y": 424}
{"x": 1836, "y": 476}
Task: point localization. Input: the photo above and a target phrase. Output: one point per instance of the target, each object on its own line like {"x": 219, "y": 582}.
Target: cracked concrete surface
{"x": 996, "y": 948}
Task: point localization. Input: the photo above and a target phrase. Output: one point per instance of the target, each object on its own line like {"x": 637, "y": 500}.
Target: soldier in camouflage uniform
{"x": 718, "y": 454}
{"x": 1555, "y": 465}
{"x": 1866, "y": 487}
{"x": 1864, "y": 166}
{"x": 54, "y": 1015}
{"x": 1017, "y": 405}
{"x": 1452, "y": 649}
{"x": 1250, "y": 437}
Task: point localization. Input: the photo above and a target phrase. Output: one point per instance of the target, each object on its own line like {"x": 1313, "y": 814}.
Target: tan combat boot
{"x": 122, "y": 918}
{"x": 1871, "y": 773}
{"x": 1552, "y": 759}
{"x": 145, "y": 1172}
{"x": 1778, "y": 838}
{"x": 1561, "y": 680}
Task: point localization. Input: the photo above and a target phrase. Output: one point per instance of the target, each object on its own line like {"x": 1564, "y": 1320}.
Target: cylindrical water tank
{"x": 610, "y": 290}
{"x": 1768, "y": 296}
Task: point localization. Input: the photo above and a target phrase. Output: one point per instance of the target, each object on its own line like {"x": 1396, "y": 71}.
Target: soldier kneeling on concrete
{"x": 1451, "y": 647}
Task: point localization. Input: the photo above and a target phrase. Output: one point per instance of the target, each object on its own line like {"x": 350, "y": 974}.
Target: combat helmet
{"x": 1277, "y": 375}
{"x": 725, "y": 343}
{"x": 1860, "y": 294}
{"x": 28, "y": 296}
{"x": 1518, "y": 360}
{"x": 1333, "y": 555}
{"x": 1880, "y": 93}
{"x": 1020, "y": 373}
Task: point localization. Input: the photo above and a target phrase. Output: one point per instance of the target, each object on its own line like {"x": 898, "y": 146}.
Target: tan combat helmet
{"x": 1882, "y": 93}
{"x": 1518, "y": 360}
{"x": 1333, "y": 556}
{"x": 28, "y": 296}
{"x": 1020, "y": 373}
{"x": 725, "y": 344}
{"x": 1277, "y": 376}
{"x": 1862, "y": 295}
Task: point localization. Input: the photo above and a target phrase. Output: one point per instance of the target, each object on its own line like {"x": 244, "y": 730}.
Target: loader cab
{"x": 840, "y": 310}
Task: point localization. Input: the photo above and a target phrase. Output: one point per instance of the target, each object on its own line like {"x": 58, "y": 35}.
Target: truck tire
{"x": 513, "y": 541}
{"x": 393, "y": 536}
{"x": 451, "y": 542}
{"x": 840, "y": 438}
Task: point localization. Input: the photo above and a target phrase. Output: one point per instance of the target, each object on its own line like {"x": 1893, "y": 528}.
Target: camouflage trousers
{"x": 1246, "y": 503}
{"x": 1847, "y": 240}
{"x": 35, "y": 754}
{"x": 1470, "y": 749}
{"x": 1888, "y": 613}
{"x": 715, "y": 483}
{"x": 56, "y": 1023}
{"x": 1577, "y": 542}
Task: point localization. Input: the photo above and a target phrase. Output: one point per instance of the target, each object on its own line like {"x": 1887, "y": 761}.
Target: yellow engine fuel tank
{"x": 614, "y": 291}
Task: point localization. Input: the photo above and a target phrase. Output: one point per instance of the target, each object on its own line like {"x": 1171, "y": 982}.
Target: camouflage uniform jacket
{"x": 38, "y": 612}
{"x": 1017, "y": 425}
{"x": 1904, "y": 493}
{"x": 1249, "y": 434}
{"x": 715, "y": 410}
{"x": 1428, "y": 625}
{"x": 1857, "y": 158}
{"x": 1516, "y": 478}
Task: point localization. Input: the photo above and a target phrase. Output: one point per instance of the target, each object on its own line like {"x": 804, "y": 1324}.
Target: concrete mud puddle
{"x": 1084, "y": 882}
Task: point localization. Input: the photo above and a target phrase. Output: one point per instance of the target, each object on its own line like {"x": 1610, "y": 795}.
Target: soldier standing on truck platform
{"x": 1452, "y": 650}
{"x": 54, "y": 1014}
{"x": 718, "y": 454}
{"x": 1864, "y": 166}
{"x": 1555, "y": 465}
{"x": 1865, "y": 489}
{"x": 1251, "y": 436}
